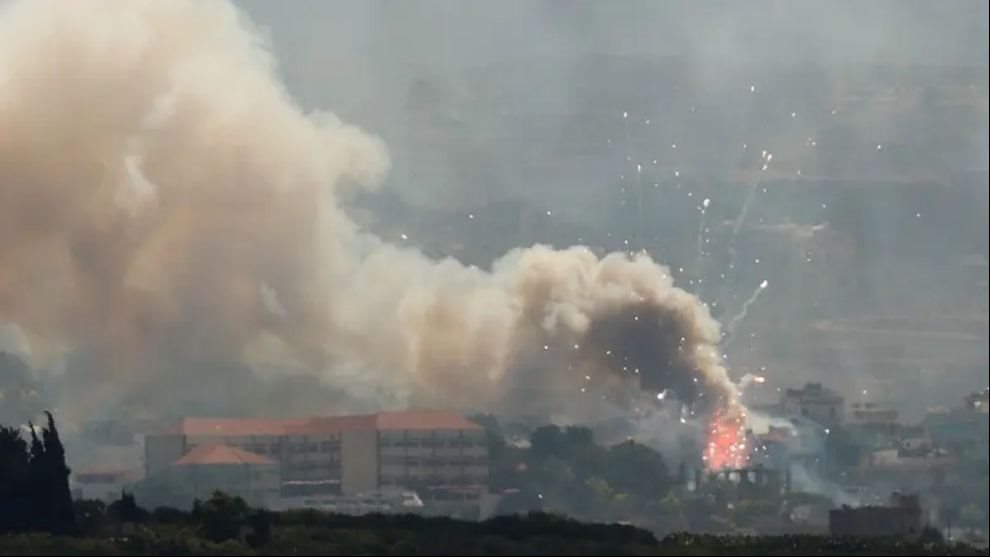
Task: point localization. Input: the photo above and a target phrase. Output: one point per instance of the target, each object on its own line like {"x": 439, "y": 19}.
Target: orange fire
{"x": 726, "y": 442}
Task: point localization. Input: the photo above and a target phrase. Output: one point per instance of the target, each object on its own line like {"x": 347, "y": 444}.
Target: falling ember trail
{"x": 726, "y": 443}
{"x": 702, "y": 239}
{"x": 738, "y": 319}
{"x": 737, "y": 226}
{"x": 701, "y": 227}
{"x": 766, "y": 158}
{"x": 639, "y": 207}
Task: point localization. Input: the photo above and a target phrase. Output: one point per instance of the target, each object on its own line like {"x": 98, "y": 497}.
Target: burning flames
{"x": 726, "y": 442}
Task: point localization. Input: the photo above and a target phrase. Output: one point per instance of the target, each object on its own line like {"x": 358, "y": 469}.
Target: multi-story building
{"x": 873, "y": 424}
{"x": 442, "y": 456}
{"x": 874, "y": 414}
{"x": 814, "y": 402}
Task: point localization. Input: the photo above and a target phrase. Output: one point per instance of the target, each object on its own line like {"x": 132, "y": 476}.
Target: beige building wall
{"x": 359, "y": 462}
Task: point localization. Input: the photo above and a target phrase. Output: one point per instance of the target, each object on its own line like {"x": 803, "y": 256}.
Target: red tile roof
{"x": 236, "y": 426}
{"x": 317, "y": 425}
{"x": 221, "y": 454}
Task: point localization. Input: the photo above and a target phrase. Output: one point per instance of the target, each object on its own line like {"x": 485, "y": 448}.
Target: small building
{"x": 902, "y": 518}
{"x": 103, "y": 484}
{"x": 814, "y": 402}
{"x": 963, "y": 430}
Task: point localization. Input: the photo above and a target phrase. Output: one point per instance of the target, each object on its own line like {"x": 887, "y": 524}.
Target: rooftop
{"x": 814, "y": 391}
{"x": 220, "y": 454}
{"x": 423, "y": 419}
{"x": 233, "y": 426}
{"x": 315, "y": 425}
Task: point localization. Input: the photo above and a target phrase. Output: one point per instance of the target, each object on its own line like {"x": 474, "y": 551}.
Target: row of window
{"x": 431, "y": 443}
{"x": 423, "y": 480}
{"x": 294, "y": 448}
{"x": 433, "y": 462}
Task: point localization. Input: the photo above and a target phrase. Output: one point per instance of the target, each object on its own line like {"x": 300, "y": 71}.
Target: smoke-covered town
{"x": 556, "y": 278}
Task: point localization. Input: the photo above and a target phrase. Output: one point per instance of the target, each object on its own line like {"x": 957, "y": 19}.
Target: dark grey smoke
{"x": 654, "y": 346}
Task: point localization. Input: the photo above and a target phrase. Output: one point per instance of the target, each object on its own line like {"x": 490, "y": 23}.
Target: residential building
{"x": 873, "y": 425}
{"x": 964, "y": 430}
{"x": 872, "y": 414}
{"x": 814, "y": 402}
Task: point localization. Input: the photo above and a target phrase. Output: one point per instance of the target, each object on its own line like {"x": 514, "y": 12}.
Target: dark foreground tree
{"x": 15, "y": 484}
{"x": 34, "y": 482}
{"x": 221, "y": 517}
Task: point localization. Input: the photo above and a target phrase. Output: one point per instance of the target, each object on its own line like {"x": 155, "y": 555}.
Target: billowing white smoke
{"x": 166, "y": 207}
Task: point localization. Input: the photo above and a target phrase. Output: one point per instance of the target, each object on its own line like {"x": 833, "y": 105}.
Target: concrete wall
{"x": 359, "y": 461}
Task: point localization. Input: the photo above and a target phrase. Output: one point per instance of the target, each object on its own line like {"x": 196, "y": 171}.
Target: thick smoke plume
{"x": 168, "y": 213}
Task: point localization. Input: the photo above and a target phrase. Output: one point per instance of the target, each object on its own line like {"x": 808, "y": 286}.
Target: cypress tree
{"x": 59, "y": 496}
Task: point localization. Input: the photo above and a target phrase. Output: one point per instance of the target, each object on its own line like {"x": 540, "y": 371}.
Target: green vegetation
{"x": 224, "y": 525}
{"x": 565, "y": 471}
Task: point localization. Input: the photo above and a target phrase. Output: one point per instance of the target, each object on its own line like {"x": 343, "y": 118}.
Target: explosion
{"x": 727, "y": 447}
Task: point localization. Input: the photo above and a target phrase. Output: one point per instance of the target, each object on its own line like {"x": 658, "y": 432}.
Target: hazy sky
{"x": 507, "y": 124}
{"x": 331, "y": 51}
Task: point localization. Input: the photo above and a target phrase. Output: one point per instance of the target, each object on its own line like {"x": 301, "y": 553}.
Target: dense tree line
{"x": 224, "y": 525}
{"x": 34, "y": 481}
{"x": 565, "y": 470}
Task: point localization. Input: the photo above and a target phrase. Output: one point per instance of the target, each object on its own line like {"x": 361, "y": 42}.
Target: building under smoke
{"x": 439, "y": 455}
